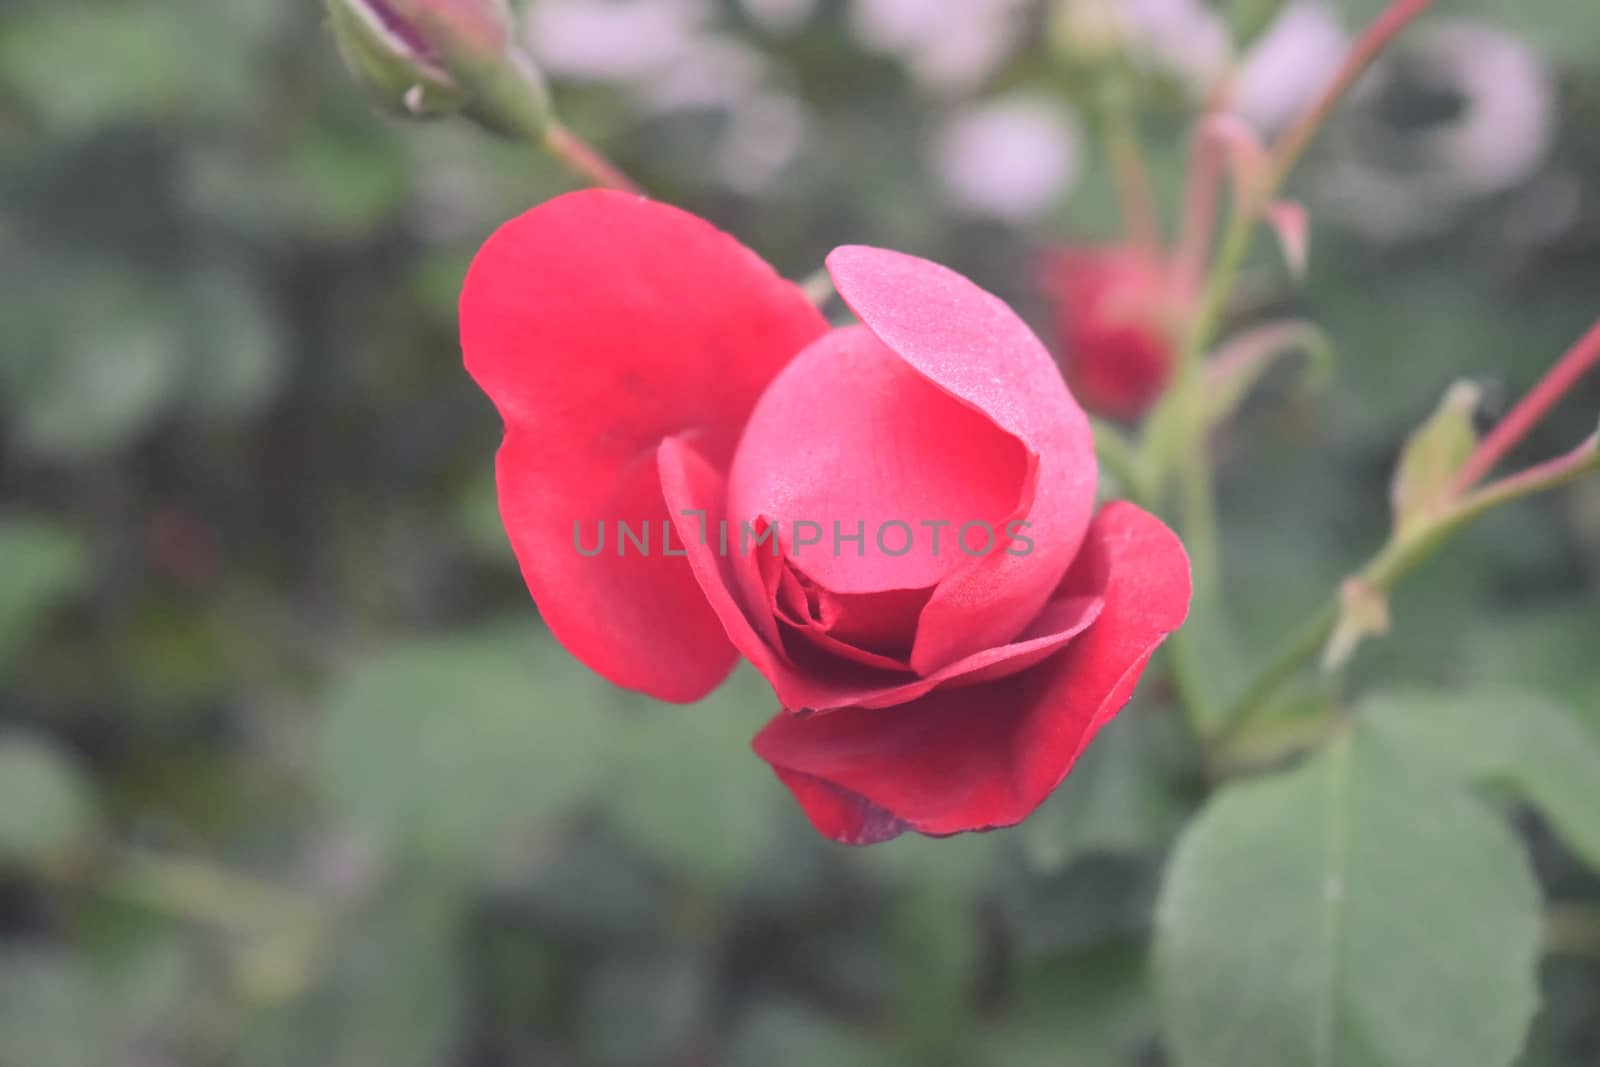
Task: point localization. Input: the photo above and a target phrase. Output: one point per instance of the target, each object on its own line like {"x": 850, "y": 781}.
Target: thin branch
{"x": 1579, "y": 360}
{"x": 1367, "y": 48}
{"x": 585, "y": 161}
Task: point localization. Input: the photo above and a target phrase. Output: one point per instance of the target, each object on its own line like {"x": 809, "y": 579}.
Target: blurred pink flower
{"x": 1111, "y": 302}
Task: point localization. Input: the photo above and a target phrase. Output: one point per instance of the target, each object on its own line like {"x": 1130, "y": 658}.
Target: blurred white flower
{"x": 766, "y": 132}
{"x": 715, "y": 73}
{"x": 894, "y": 25}
{"x": 612, "y": 40}
{"x": 948, "y": 45}
{"x": 1290, "y": 64}
{"x": 1188, "y": 40}
{"x": 1010, "y": 158}
{"x": 1505, "y": 127}
{"x": 669, "y": 58}
{"x": 1395, "y": 184}
{"x": 1185, "y": 38}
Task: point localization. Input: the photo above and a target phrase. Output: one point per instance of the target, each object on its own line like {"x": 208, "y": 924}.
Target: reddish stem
{"x": 1580, "y": 359}
{"x": 1199, "y": 215}
{"x": 1543, "y": 475}
{"x": 1219, "y": 139}
{"x": 1367, "y": 48}
{"x": 585, "y": 161}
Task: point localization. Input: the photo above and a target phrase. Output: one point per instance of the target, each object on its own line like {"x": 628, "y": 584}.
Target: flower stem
{"x": 1299, "y": 648}
{"x": 584, "y": 160}
{"x": 1199, "y": 215}
{"x": 1196, "y": 504}
{"x": 1281, "y": 160}
{"x": 1139, "y": 214}
{"x": 1377, "y": 36}
{"x": 1579, "y": 360}
{"x": 1393, "y": 562}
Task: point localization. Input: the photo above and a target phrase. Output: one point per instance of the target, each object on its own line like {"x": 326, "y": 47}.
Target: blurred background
{"x": 291, "y": 774}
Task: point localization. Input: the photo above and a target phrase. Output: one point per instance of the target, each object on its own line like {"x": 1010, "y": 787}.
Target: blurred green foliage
{"x": 290, "y": 774}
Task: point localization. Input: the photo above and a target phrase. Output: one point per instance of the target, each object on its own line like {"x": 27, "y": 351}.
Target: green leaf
{"x": 1548, "y": 650}
{"x": 61, "y": 1010}
{"x": 690, "y": 792}
{"x": 390, "y": 989}
{"x": 1207, "y": 657}
{"x": 50, "y": 1011}
{"x": 86, "y": 66}
{"x": 46, "y": 808}
{"x": 237, "y": 355}
{"x": 1356, "y": 911}
{"x": 451, "y": 746}
{"x": 1098, "y": 900}
{"x": 106, "y": 378}
{"x": 935, "y": 949}
{"x": 1431, "y": 458}
{"x": 1116, "y": 800}
{"x": 476, "y": 518}
{"x": 1503, "y": 737}
{"x": 1238, "y": 366}
{"x": 965, "y": 863}
{"x": 664, "y": 999}
{"x": 781, "y": 1034}
{"x": 1084, "y": 1008}
{"x": 44, "y": 563}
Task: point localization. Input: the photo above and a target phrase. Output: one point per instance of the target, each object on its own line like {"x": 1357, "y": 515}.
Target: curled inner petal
{"x": 765, "y": 627}
{"x": 870, "y": 472}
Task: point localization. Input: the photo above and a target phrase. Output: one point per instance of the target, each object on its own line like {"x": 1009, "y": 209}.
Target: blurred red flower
{"x": 1111, "y": 302}
{"x": 653, "y": 371}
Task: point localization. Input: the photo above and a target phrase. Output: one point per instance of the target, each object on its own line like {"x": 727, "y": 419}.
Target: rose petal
{"x": 599, "y": 323}
{"x": 972, "y": 346}
{"x": 693, "y": 489}
{"x": 870, "y": 628}
{"x": 850, "y": 439}
{"x": 987, "y": 755}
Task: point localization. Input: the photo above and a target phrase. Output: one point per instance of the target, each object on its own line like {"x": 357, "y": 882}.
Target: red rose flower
{"x": 1110, "y": 302}
{"x": 892, "y": 521}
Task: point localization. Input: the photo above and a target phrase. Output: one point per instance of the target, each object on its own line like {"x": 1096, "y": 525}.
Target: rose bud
{"x": 1111, "y": 306}
{"x": 437, "y": 57}
{"x": 894, "y": 521}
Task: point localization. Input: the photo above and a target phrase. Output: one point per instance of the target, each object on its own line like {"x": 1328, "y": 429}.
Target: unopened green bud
{"x": 474, "y": 33}
{"x": 434, "y": 57}
{"x": 1423, "y": 482}
{"x": 390, "y": 60}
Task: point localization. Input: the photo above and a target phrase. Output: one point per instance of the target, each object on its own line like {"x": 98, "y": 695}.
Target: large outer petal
{"x": 599, "y": 324}
{"x": 971, "y": 345}
{"x": 987, "y": 755}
